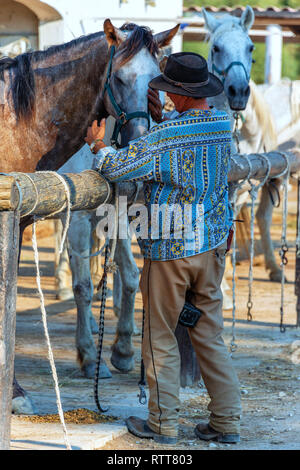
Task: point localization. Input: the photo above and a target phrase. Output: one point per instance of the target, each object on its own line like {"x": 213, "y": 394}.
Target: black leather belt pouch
{"x": 189, "y": 315}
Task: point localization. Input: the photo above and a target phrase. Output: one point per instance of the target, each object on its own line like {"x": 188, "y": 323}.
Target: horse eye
{"x": 216, "y": 48}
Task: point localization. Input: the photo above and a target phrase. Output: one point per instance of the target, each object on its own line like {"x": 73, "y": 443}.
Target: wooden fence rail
{"x": 43, "y": 194}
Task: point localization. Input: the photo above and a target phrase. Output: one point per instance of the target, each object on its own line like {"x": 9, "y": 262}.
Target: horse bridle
{"x": 223, "y": 73}
{"x": 123, "y": 117}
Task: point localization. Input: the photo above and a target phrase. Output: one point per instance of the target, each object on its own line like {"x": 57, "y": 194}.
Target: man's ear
{"x": 113, "y": 35}
{"x": 163, "y": 39}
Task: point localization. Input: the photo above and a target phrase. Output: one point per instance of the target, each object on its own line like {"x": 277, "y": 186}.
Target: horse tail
{"x": 23, "y": 87}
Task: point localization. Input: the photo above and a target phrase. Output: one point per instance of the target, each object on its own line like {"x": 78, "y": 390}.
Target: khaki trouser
{"x": 164, "y": 285}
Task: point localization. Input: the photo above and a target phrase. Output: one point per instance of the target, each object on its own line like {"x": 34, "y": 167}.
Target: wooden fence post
{"x": 9, "y": 249}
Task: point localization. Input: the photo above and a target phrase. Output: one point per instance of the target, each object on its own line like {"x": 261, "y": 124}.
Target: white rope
{"x": 40, "y": 291}
{"x": 37, "y": 196}
{"x": 50, "y": 353}
{"x": 66, "y": 204}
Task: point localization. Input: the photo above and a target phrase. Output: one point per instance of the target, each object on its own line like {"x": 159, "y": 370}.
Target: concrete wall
{"x": 17, "y": 21}
{"x": 86, "y": 16}
{"x": 56, "y": 21}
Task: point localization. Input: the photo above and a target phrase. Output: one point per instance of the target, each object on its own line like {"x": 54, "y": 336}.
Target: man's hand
{"x": 95, "y": 135}
{"x": 155, "y": 106}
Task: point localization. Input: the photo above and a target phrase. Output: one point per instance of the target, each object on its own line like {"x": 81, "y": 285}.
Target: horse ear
{"x": 211, "y": 22}
{"x": 114, "y": 36}
{"x": 163, "y": 39}
{"x": 247, "y": 18}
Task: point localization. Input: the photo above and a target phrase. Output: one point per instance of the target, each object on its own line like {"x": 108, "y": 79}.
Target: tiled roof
{"x": 270, "y": 11}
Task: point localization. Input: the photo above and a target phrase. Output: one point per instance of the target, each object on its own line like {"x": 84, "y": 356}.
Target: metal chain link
{"x": 284, "y": 247}
{"x": 236, "y": 186}
{"x": 253, "y": 195}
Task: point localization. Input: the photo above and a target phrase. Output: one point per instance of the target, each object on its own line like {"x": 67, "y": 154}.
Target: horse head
{"x": 133, "y": 63}
{"x": 230, "y": 56}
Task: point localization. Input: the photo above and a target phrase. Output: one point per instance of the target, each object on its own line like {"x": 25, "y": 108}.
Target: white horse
{"x": 283, "y": 99}
{"x": 136, "y": 75}
{"x": 230, "y": 58}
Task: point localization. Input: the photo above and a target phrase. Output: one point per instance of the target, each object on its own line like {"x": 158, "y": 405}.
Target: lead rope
{"x": 236, "y": 187}
{"x": 253, "y": 195}
{"x": 103, "y": 284}
{"x": 109, "y": 266}
{"x": 142, "y": 383}
{"x": 44, "y": 313}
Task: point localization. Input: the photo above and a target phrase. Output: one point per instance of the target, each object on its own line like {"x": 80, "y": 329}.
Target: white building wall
{"x": 87, "y": 16}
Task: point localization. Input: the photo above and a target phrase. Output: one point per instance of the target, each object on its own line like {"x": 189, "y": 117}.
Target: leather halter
{"x": 224, "y": 73}
{"x": 123, "y": 117}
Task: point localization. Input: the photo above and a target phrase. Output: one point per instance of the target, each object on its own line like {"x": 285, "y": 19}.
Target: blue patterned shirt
{"x": 184, "y": 166}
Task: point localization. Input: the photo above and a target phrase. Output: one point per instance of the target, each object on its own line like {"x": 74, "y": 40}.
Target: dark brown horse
{"x": 50, "y": 98}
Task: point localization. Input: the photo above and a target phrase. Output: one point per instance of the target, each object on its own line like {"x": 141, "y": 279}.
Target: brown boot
{"x": 139, "y": 427}
{"x": 207, "y": 433}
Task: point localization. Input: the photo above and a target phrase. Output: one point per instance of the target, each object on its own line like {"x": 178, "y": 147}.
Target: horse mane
{"x": 140, "y": 37}
{"x": 264, "y": 117}
{"x": 21, "y": 72}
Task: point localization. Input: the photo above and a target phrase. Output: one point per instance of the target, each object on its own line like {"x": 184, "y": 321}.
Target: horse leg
{"x": 117, "y": 298}
{"x": 264, "y": 220}
{"x": 79, "y": 236}
{"x": 122, "y": 350}
{"x": 62, "y": 266}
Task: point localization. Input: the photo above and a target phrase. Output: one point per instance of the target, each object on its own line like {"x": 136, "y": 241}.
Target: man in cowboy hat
{"x": 184, "y": 164}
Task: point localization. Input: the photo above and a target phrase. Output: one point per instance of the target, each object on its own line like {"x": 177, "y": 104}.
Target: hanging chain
{"x": 236, "y": 186}
{"x": 284, "y": 247}
{"x": 253, "y": 194}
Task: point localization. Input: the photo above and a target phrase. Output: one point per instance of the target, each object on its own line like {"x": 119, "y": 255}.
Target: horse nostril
{"x": 247, "y": 91}
{"x": 231, "y": 90}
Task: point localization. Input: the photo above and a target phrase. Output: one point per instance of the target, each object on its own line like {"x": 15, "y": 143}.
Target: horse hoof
{"x": 275, "y": 276}
{"x": 89, "y": 370}
{"x": 23, "y": 406}
{"x": 122, "y": 364}
{"x": 65, "y": 294}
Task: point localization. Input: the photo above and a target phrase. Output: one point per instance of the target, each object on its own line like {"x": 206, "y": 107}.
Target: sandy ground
{"x": 267, "y": 361}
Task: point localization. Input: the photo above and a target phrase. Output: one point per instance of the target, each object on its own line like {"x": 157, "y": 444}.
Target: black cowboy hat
{"x": 186, "y": 74}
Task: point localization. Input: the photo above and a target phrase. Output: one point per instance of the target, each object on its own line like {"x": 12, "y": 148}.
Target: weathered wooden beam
{"x": 239, "y": 167}
{"x": 44, "y": 194}
{"x": 9, "y": 249}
